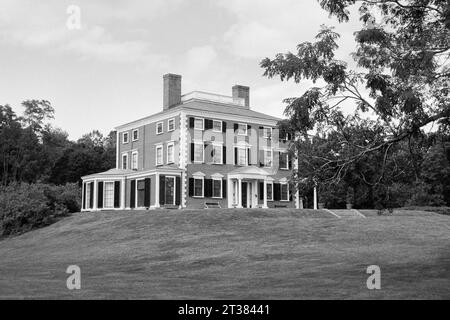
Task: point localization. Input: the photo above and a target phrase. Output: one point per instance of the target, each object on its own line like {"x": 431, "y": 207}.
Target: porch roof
{"x": 120, "y": 173}
{"x": 250, "y": 172}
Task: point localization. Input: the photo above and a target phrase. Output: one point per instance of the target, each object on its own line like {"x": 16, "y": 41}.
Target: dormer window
{"x": 125, "y": 137}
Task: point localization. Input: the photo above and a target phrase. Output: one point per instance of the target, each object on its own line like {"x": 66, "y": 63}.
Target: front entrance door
{"x": 244, "y": 194}
{"x": 170, "y": 190}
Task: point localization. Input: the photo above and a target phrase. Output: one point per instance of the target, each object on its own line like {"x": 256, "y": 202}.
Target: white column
{"x": 95, "y": 195}
{"x": 157, "y": 191}
{"x": 301, "y": 203}
{"x": 122, "y": 194}
{"x": 315, "y": 198}
{"x": 255, "y": 194}
{"x": 230, "y": 192}
{"x": 265, "y": 195}
{"x": 83, "y": 187}
{"x": 239, "y": 193}
{"x": 297, "y": 199}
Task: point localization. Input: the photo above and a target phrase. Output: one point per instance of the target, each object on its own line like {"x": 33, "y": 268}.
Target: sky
{"x": 109, "y": 71}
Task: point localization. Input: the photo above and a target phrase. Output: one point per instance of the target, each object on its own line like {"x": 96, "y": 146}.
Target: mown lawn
{"x": 229, "y": 254}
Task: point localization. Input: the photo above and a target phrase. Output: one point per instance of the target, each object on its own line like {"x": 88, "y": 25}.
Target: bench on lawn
{"x": 212, "y": 205}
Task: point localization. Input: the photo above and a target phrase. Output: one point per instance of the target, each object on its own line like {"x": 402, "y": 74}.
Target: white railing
{"x": 200, "y": 95}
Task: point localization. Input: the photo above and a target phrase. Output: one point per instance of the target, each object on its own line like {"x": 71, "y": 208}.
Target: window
{"x": 88, "y": 195}
{"x": 198, "y": 187}
{"x": 170, "y": 153}
{"x": 284, "y": 161}
{"x": 217, "y": 154}
{"x": 267, "y": 132}
{"x": 284, "y": 192}
{"x": 125, "y": 161}
{"x": 267, "y": 158}
{"x": 159, "y": 155}
{"x": 217, "y": 188}
{"x": 140, "y": 194}
{"x": 159, "y": 127}
{"x": 217, "y": 126}
{"x": 242, "y": 129}
{"x": 242, "y": 156}
{"x": 198, "y": 153}
{"x": 270, "y": 191}
{"x": 199, "y": 124}
{"x": 135, "y": 135}
{"x": 109, "y": 194}
{"x": 134, "y": 160}
{"x": 171, "y": 125}
{"x": 125, "y": 137}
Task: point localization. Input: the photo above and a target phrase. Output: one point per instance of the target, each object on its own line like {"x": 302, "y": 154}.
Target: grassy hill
{"x": 229, "y": 254}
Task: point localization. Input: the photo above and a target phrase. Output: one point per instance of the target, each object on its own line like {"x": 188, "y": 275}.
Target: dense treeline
{"x": 40, "y": 168}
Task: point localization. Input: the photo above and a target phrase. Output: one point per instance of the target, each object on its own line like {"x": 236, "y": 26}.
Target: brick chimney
{"x": 242, "y": 92}
{"x": 172, "y": 90}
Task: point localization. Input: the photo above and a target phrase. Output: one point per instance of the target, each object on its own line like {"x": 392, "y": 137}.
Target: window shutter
{"x": 84, "y": 195}
{"x": 208, "y": 188}
{"x": 290, "y": 163}
{"x": 116, "y": 194}
{"x": 191, "y": 187}
{"x": 191, "y": 122}
{"x": 192, "y": 152}
{"x": 224, "y": 155}
{"x": 235, "y": 156}
{"x": 291, "y": 189}
{"x": 236, "y": 126}
{"x": 224, "y": 189}
{"x": 276, "y": 191}
{"x": 147, "y": 193}
{"x": 178, "y": 191}
{"x": 100, "y": 195}
{"x": 249, "y": 127}
{"x": 248, "y": 156}
{"x": 289, "y": 136}
{"x": 162, "y": 189}
{"x": 91, "y": 201}
{"x": 261, "y": 191}
{"x": 208, "y": 124}
{"x": 224, "y": 126}
{"x": 133, "y": 194}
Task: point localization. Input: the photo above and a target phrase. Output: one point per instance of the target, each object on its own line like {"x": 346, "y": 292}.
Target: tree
{"x": 36, "y": 112}
{"x": 402, "y": 80}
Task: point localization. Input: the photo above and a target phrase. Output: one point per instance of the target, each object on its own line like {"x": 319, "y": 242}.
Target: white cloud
{"x": 200, "y": 58}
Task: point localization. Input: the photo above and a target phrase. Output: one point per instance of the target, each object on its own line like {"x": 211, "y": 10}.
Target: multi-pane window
{"x": 268, "y": 158}
{"x": 198, "y": 187}
{"x": 217, "y": 188}
{"x": 270, "y": 191}
{"x": 109, "y": 194}
{"x": 285, "y": 192}
{"x": 159, "y": 127}
{"x": 171, "y": 125}
{"x": 134, "y": 160}
{"x": 159, "y": 155}
{"x": 125, "y": 161}
{"x": 170, "y": 153}
{"x": 217, "y": 126}
{"x": 199, "y": 124}
{"x": 88, "y": 195}
{"x": 125, "y": 137}
{"x": 198, "y": 152}
{"x": 267, "y": 132}
{"x": 284, "y": 161}
{"x": 217, "y": 154}
{"x": 242, "y": 156}
{"x": 242, "y": 129}
{"x": 135, "y": 134}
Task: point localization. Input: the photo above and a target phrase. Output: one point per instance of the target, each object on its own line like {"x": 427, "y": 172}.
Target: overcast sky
{"x": 110, "y": 71}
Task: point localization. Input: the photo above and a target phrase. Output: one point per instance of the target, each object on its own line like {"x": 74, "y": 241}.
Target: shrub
{"x": 24, "y": 207}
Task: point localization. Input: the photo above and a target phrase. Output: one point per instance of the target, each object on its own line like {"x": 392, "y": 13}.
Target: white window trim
{"x": 271, "y": 156}
{"x": 127, "y": 134}
{"x": 203, "y": 186}
{"x": 168, "y": 125}
{"x": 162, "y": 127}
{"x": 281, "y": 193}
{"x": 159, "y": 146}
{"x": 172, "y": 144}
{"x": 221, "y": 125}
{"x": 132, "y": 135}
{"x": 219, "y": 145}
{"x": 104, "y": 194}
{"x": 137, "y": 160}
{"x": 264, "y": 132}
{"x": 87, "y": 201}
{"x": 246, "y": 156}
{"x": 127, "y": 165}
{"x": 221, "y": 188}
{"x": 246, "y": 129}
{"x": 287, "y": 161}
{"x": 174, "y": 186}
{"x": 203, "y": 123}
{"x": 271, "y": 199}
{"x": 203, "y": 151}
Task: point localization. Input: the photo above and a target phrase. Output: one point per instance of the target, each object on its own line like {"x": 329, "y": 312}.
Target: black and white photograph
{"x": 237, "y": 151}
